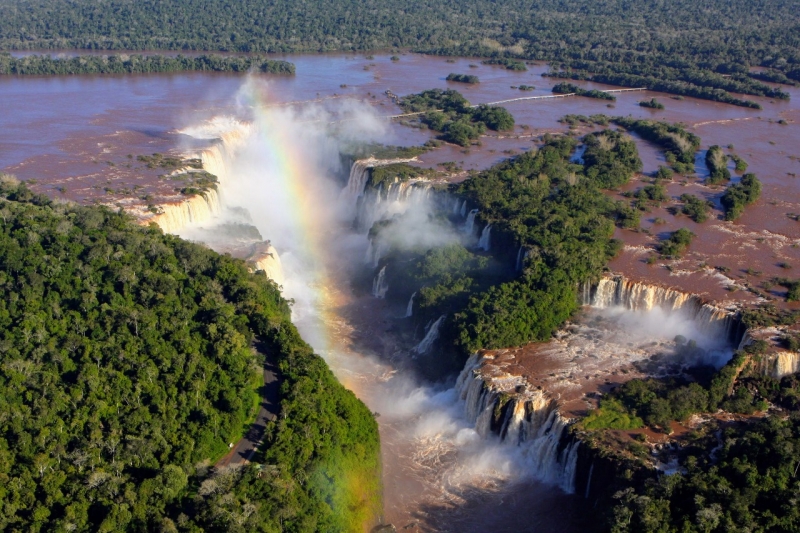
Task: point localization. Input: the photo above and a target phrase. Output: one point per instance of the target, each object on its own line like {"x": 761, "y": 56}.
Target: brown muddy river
{"x": 78, "y": 138}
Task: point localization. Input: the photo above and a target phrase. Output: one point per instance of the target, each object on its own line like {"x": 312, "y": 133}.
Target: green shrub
{"x": 610, "y": 415}
{"x": 651, "y": 104}
{"x": 739, "y": 195}
{"x": 695, "y": 208}
{"x": 717, "y": 166}
{"x": 463, "y": 78}
{"x": 676, "y": 244}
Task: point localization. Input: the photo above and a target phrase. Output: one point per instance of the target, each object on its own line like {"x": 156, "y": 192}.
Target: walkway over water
{"x": 541, "y": 97}
{"x": 416, "y": 113}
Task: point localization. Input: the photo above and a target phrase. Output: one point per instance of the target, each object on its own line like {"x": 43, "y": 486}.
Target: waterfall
{"x": 410, "y": 306}
{"x": 484, "y": 243}
{"x": 430, "y": 337}
{"x": 469, "y": 227}
{"x": 215, "y": 159}
{"x": 618, "y": 291}
{"x": 379, "y": 284}
{"x": 266, "y": 258}
{"x": 370, "y": 253}
{"x": 775, "y": 364}
{"x": 778, "y": 364}
{"x": 786, "y": 363}
{"x": 175, "y": 216}
{"x": 201, "y": 208}
{"x": 375, "y": 253}
{"x": 359, "y": 173}
{"x": 390, "y": 199}
{"x": 521, "y": 416}
{"x": 359, "y": 176}
{"x": 463, "y": 211}
{"x": 456, "y": 205}
{"x": 586, "y": 293}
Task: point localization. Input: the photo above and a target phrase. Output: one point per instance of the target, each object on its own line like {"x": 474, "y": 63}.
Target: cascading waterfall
{"x": 359, "y": 176}
{"x": 521, "y": 416}
{"x": 463, "y": 211}
{"x": 485, "y": 241}
{"x": 586, "y": 292}
{"x": 370, "y": 253}
{"x": 469, "y": 227}
{"x": 388, "y": 200}
{"x": 618, "y": 291}
{"x": 430, "y": 337}
{"x": 589, "y": 481}
{"x": 410, "y": 306}
{"x": 266, "y": 259}
{"x": 375, "y": 252}
{"x": 230, "y": 136}
{"x": 785, "y": 363}
{"x": 216, "y": 159}
{"x": 380, "y": 285}
{"x": 201, "y": 208}
{"x": 776, "y": 364}
{"x": 197, "y": 209}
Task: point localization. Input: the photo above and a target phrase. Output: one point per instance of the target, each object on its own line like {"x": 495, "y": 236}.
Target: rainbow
{"x": 289, "y": 169}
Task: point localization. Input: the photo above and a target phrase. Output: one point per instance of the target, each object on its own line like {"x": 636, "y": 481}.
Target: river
{"x": 78, "y": 138}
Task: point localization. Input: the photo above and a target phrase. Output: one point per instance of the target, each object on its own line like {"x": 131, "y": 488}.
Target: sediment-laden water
{"x": 280, "y": 172}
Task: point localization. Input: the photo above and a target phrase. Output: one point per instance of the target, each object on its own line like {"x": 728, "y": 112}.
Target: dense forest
{"x": 671, "y": 47}
{"x": 697, "y": 83}
{"x": 127, "y": 365}
{"x": 748, "y": 484}
{"x": 38, "y": 65}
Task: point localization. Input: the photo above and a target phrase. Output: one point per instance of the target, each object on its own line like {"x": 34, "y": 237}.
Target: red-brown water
{"x": 76, "y": 133}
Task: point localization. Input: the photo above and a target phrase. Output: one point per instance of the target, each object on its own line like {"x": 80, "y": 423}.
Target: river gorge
{"x": 481, "y": 449}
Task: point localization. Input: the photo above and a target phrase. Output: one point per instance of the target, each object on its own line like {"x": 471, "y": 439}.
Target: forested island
{"x": 449, "y": 113}
{"x": 129, "y": 359}
{"x": 39, "y": 65}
